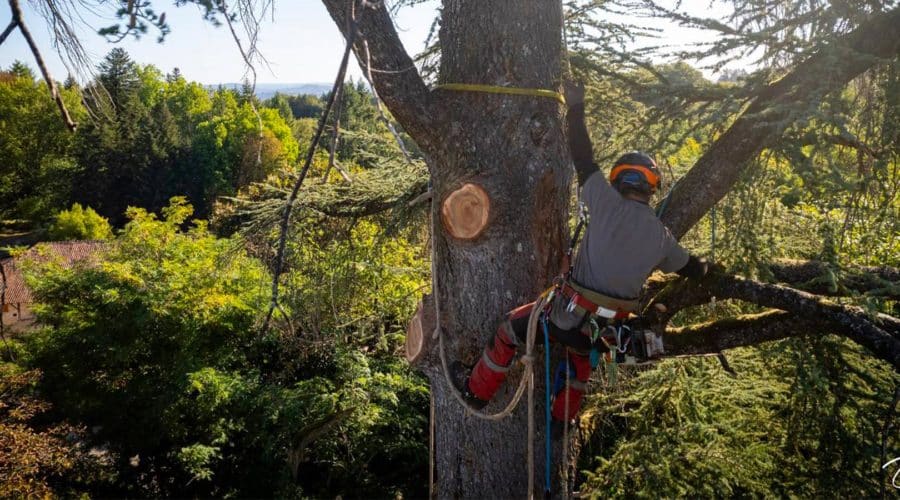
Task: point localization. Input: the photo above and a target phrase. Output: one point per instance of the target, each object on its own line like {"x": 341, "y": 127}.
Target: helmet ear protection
{"x": 635, "y": 171}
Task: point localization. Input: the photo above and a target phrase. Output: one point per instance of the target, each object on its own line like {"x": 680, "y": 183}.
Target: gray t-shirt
{"x": 623, "y": 243}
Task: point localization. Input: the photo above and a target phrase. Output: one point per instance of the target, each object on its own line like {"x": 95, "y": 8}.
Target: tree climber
{"x": 623, "y": 243}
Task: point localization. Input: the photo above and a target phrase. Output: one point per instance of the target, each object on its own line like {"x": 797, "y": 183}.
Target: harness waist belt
{"x": 597, "y": 303}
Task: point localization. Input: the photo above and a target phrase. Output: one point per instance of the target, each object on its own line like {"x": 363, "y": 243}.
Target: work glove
{"x": 695, "y": 268}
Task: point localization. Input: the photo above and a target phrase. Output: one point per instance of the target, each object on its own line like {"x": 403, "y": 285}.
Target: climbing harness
{"x": 606, "y": 307}
{"x": 497, "y": 89}
{"x": 631, "y": 346}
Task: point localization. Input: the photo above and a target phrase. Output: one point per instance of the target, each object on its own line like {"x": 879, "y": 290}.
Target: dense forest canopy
{"x": 150, "y": 374}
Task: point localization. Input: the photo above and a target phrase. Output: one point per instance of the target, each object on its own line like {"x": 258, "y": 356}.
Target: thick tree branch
{"x": 874, "y": 334}
{"x": 672, "y": 295}
{"x": 54, "y": 91}
{"x": 851, "y": 142}
{"x": 396, "y": 79}
{"x": 773, "y": 110}
{"x": 12, "y": 25}
{"x": 880, "y": 334}
{"x": 741, "y": 331}
{"x": 818, "y": 277}
{"x": 810, "y": 276}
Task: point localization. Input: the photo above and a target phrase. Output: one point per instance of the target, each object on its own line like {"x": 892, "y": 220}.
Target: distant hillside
{"x": 267, "y": 90}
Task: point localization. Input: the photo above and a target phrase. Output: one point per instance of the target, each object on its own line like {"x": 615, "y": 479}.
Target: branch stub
{"x": 465, "y": 212}
{"x": 415, "y": 337}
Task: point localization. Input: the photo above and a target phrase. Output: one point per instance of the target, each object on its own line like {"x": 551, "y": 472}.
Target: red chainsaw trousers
{"x": 491, "y": 370}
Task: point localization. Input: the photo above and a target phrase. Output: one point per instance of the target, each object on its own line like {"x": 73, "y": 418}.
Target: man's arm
{"x": 678, "y": 260}
{"x": 579, "y": 141}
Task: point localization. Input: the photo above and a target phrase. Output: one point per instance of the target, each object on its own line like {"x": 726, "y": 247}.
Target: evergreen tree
{"x": 281, "y": 103}
{"x": 174, "y": 76}
{"x": 118, "y": 75}
{"x": 247, "y": 94}
{"x": 21, "y": 70}
{"x": 306, "y": 106}
{"x": 70, "y": 83}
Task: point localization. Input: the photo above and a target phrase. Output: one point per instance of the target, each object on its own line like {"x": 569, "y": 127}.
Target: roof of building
{"x": 70, "y": 252}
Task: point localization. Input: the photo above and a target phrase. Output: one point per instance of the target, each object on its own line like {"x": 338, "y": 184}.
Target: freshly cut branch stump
{"x": 420, "y": 331}
{"x": 415, "y": 338}
{"x": 465, "y": 212}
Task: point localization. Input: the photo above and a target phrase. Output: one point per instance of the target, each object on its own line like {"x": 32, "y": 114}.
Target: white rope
{"x": 527, "y": 360}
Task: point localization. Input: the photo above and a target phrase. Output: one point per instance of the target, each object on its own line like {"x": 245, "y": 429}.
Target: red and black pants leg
{"x": 491, "y": 370}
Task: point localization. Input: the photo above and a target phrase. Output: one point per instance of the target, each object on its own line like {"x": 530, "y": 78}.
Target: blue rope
{"x": 547, "y": 412}
{"x": 661, "y": 209}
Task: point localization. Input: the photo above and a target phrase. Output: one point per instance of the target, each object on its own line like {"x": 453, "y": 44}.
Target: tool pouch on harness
{"x": 626, "y": 341}
{"x": 629, "y": 343}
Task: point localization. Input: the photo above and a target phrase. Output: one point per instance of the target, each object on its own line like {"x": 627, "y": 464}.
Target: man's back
{"x": 623, "y": 243}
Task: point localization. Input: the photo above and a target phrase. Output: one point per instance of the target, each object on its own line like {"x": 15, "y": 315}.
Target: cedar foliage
{"x": 323, "y": 406}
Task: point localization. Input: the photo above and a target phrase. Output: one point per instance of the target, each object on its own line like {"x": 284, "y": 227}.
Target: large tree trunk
{"x": 514, "y": 148}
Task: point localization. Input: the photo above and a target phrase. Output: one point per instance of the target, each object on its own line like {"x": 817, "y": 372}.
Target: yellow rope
{"x": 496, "y": 89}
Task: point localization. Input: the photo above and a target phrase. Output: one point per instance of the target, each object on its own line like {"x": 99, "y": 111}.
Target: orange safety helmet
{"x": 636, "y": 171}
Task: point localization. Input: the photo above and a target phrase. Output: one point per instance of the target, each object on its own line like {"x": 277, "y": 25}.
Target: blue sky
{"x": 301, "y": 44}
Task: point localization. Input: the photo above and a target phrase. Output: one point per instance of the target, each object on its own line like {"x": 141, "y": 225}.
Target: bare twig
{"x": 286, "y": 217}
{"x": 54, "y": 92}
{"x": 344, "y": 173}
{"x": 383, "y": 118}
{"x": 335, "y": 133}
{"x": 248, "y": 61}
{"x": 296, "y": 455}
{"x": 725, "y": 365}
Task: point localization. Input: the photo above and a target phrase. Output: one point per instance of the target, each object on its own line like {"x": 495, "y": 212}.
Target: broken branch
{"x": 54, "y": 91}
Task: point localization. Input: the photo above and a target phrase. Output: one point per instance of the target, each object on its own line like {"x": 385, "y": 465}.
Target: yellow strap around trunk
{"x": 496, "y": 89}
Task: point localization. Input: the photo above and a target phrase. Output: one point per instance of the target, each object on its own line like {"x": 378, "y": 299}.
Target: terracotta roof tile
{"x": 70, "y": 251}
{"x": 16, "y": 291}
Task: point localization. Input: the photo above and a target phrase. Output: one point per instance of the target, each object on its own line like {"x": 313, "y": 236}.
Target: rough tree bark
{"x": 513, "y": 148}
